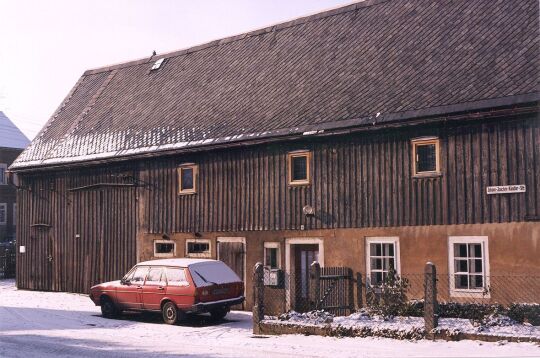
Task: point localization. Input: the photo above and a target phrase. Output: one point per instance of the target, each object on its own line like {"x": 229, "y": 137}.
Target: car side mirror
{"x": 125, "y": 282}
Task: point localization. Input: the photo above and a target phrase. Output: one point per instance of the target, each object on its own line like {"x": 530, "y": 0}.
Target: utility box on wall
{"x": 274, "y": 278}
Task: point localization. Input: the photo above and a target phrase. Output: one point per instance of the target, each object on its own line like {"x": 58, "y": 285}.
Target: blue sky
{"x": 46, "y": 45}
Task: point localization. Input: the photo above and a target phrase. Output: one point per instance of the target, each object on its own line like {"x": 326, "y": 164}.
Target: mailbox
{"x": 274, "y": 278}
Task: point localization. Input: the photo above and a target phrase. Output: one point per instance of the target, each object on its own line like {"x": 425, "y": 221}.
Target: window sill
{"x": 427, "y": 175}
{"x": 470, "y": 293}
{"x": 187, "y": 192}
{"x": 299, "y": 183}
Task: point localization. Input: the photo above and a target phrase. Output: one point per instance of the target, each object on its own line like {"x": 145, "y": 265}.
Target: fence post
{"x": 431, "y": 318}
{"x": 314, "y": 285}
{"x": 258, "y": 297}
{"x": 359, "y": 290}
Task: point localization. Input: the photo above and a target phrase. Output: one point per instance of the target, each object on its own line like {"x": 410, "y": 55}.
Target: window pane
{"x": 154, "y": 276}
{"x": 139, "y": 275}
{"x": 299, "y": 168}
{"x": 425, "y": 158}
{"x": 460, "y": 266}
{"x": 198, "y": 247}
{"x": 391, "y": 264}
{"x": 475, "y": 250}
{"x": 176, "y": 277}
{"x": 461, "y": 281}
{"x": 476, "y": 266}
{"x": 271, "y": 257}
{"x": 187, "y": 178}
{"x": 376, "y": 278}
{"x": 164, "y": 248}
{"x": 460, "y": 250}
{"x": 376, "y": 264}
{"x": 476, "y": 281}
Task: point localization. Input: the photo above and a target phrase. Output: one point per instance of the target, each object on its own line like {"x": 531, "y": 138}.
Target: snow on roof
{"x": 10, "y": 135}
{"x": 184, "y": 262}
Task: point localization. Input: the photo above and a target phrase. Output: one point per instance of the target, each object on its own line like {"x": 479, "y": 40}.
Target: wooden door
{"x": 304, "y": 257}
{"x": 233, "y": 255}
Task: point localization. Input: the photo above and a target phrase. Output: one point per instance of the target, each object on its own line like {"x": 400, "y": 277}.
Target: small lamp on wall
{"x": 197, "y": 234}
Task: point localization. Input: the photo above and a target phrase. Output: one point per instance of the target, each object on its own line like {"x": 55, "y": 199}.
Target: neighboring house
{"x": 366, "y": 136}
{"x": 12, "y": 143}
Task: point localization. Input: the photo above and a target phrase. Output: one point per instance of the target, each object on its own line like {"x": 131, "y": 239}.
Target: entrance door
{"x": 233, "y": 254}
{"x": 304, "y": 256}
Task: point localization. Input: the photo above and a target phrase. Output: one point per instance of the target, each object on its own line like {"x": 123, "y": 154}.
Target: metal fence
{"x": 340, "y": 291}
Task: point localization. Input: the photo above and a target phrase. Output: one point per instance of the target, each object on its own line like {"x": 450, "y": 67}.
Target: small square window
{"x": 299, "y": 168}
{"x": 426, "y": 157}
{"x": 164, "y": 248}
{"x": 187, "y": 179}
{"x": 272, "y": 259}
{"x": 198, "y": 248}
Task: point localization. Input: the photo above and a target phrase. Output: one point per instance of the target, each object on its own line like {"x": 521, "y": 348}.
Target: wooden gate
{"x": 336, "y": 290}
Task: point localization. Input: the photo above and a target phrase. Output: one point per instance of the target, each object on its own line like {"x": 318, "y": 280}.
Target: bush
{"x": 525, "y": 312}
{"x": 390, "y": 298}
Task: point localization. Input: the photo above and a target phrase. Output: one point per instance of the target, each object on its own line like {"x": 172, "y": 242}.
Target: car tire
{"x": 171, "y": 314}
{"x": 219, "y": 313}
{"x": 108, "y": 308}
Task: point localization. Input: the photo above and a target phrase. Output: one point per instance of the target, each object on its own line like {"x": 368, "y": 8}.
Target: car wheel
{"x": 219, "y": 314}
{"x": 108, "y": 309}
{"x": 171, "y": 314}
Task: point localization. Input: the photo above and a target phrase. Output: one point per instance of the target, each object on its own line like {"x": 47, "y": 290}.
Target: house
{"x": 12, "y": 143}
{"x": 381, "y": 134}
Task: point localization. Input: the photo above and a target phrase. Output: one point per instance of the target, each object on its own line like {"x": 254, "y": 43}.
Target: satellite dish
{"x": 308, "y": 210}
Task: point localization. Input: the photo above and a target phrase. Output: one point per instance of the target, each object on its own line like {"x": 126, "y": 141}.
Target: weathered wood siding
{"x": 359, "y": 180}
{"x": 75, "y": 238}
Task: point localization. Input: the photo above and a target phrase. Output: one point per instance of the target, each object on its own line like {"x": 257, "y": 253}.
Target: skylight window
{"x": 157, "y": 64}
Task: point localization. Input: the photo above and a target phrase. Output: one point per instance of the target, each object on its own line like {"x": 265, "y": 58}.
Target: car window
{"x": 176, "y": 277}
{"x": 139, "y": 275}
{"x": 155, "y": 277}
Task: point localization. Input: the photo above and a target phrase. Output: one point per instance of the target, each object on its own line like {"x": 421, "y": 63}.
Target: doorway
{"x": 232, "y": 251}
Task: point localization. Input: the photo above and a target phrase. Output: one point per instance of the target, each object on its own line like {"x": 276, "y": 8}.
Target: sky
{"x": 45, "y": 46}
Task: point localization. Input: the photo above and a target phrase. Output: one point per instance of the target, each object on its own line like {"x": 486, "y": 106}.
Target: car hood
{"x": 107, "y": 285}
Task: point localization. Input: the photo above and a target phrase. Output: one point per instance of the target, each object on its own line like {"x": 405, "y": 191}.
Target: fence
{"x": 7, "y": 262}
{"x": 339, "y": 291}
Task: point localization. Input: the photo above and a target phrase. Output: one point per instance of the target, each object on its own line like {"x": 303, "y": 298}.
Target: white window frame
{"x": 195, "y": 173}
{"x": 417, "y": 142}
{"x": 480, "y": 293}
{"x": 201, "y": 254}
{"x": 3, "y": 179}
{"x": 273, "y": 245}
{"x": 164, "y": 254}
{"x": 382, "y": 240}
{"x": 4, "y": 206}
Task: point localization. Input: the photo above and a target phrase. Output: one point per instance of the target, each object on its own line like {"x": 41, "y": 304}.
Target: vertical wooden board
{"x": 461, "y": 198}
{"x": 502, "y": 160}
{"x": 513, "y": 171}
{"x": 530, "y": 176}
{"x": 468, "y": 171}
{"x": 452, "y": 177}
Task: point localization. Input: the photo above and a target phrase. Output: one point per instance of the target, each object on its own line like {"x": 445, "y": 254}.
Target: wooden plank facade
{"x": 81, "y": 226}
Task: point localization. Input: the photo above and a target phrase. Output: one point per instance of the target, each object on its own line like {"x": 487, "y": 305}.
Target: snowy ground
{"x": 42, "y": 324}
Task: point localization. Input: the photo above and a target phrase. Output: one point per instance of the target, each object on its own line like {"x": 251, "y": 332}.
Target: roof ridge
{"x": 252, "y": 33}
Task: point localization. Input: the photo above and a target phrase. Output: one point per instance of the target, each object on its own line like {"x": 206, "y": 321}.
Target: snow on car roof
{"x": 184, "y": 262}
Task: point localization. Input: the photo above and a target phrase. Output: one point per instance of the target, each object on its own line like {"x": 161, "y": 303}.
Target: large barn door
{"x": 232, "y": 252}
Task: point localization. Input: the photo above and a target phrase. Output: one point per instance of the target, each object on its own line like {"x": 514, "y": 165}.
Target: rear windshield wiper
{"x": 205, "y": 280}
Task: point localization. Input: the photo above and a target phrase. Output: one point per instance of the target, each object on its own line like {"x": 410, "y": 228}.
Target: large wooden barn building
{"x": 383, "y": 133}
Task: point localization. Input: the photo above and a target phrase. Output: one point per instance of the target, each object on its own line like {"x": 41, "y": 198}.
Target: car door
{"x": 129, "y": 295}
{"x": 154, "y": 289}
{"x": 178, "y": 287}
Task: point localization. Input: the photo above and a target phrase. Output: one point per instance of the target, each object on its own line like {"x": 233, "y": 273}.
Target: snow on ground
{"x": 47, "y": 324}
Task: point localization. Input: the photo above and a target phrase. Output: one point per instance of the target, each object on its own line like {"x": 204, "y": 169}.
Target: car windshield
{"x": 212, "y": 273}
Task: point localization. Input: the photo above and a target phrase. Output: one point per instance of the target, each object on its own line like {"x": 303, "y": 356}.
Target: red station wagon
{"x": 174, "y": 287}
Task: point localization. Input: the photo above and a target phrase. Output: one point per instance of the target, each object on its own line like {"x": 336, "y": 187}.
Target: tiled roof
{"x": 10, "y": 135}
{"x": 367, "y": 62}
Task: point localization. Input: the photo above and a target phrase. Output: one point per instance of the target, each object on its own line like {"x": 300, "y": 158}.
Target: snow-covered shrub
{"x": 312, "y": 317}
{"x": 390, "y": 297}
{"x": 525, "y": 312}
